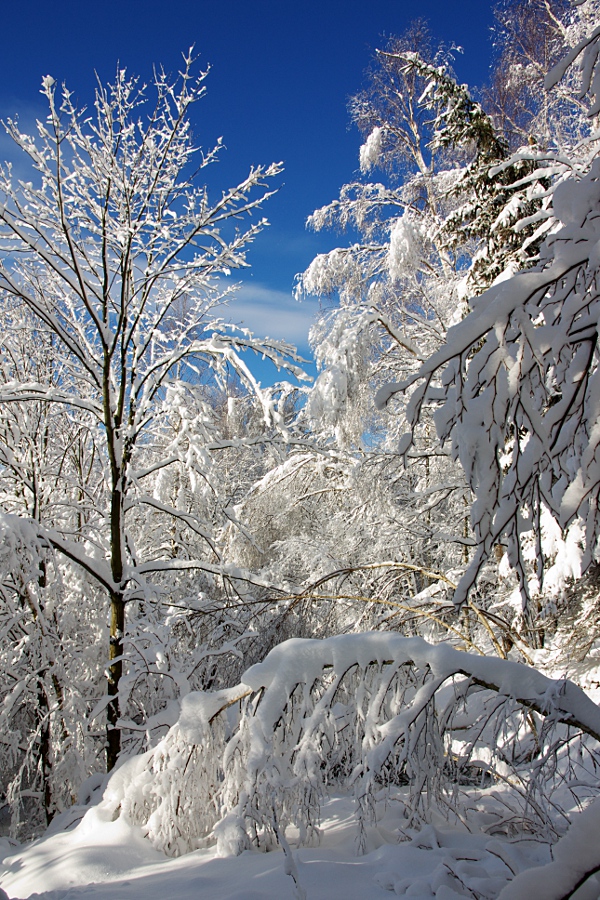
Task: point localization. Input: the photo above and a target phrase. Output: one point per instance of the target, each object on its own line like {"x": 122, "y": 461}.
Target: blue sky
{"x": 281, "y": 76}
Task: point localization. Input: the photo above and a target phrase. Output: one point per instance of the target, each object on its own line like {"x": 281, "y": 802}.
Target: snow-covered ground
{"x": 478, "y": 844}
{"x": 113, "y": 861}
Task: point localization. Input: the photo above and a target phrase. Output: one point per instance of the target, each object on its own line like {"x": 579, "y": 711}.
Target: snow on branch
{"x": 588, "y": 53}
{"x": 369, "y": 712}
{"x": 520, "y": 388}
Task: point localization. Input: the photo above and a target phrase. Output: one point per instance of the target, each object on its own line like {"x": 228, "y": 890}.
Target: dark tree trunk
{"x": 115, "y": 671}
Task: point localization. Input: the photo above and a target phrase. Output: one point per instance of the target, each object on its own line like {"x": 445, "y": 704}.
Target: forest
{"x": 226, "y": 608}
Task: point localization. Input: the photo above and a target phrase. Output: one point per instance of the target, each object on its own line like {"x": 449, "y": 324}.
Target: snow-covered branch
{"x": 358, "y": 710}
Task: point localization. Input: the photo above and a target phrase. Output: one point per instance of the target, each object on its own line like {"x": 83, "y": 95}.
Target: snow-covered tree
{"x": 395, "y": 717}
{"x": 519, "y": 389}
{"x": 118, "y": 252}
{"x": 390, "y": 294}
{"x": 519, "y": 144}
{"x": 457, "y": 212}
{"x": 530, "y": 38}
{"x": 520, "y": 392}
{"x": 52, "y": 623}
{"x": 433, "y": 731}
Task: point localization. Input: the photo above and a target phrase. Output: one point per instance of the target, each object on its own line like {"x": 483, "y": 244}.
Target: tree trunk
{"x": 115, "y": 671}
{"x": 117, "y": 620}
{"x": 45, "y": 746}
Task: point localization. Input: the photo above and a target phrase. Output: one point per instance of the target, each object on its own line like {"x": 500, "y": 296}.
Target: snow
{"x": 371, "y": 150}
{"x": 198, "y": 708}
{"x": 298, "y": 660}
{"x": 219, "y": 784}
{"x": 112, "y": 861}
{"x": 576, "y": 856}
{"x": 404, "y": 249}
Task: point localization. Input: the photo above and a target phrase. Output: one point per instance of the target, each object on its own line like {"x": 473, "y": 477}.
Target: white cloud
{"x": 272, "y": 313}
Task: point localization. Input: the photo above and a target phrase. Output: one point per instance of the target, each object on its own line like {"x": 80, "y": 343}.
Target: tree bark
{"x": 115, "y": 671}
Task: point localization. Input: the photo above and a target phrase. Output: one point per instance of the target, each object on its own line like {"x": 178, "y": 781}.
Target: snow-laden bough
{"x": 380, "y": 715}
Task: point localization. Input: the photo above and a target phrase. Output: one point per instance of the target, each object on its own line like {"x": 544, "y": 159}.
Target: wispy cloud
{"x": 272, "y": 313}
